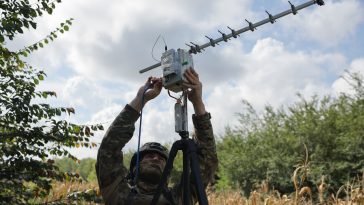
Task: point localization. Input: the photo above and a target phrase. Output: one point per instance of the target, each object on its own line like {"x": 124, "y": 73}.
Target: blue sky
{"x": 94, "y": 67}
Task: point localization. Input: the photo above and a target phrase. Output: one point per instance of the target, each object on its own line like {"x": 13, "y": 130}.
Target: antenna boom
{"x": 195, "y": 48}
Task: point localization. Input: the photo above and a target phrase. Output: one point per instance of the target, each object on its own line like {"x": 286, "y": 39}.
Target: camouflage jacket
{"x": 112, "y": 174}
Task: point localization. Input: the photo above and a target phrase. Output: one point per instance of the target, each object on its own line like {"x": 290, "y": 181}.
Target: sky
{"x": 94, "y": 67}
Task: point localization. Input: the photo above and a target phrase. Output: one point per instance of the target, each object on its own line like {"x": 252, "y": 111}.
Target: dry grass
{"x": 225, "y": 198}
{"x": 355, "y": 196}
{"x": 303, "y": 195}
{"x": 262, "y": 196}
{"x": 62, "y": 190}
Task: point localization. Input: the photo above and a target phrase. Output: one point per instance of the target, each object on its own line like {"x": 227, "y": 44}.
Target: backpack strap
{"x": 131, "y": 195}
{"x": 168, "y": 195}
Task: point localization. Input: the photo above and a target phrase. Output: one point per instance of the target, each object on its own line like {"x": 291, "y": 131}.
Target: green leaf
{"x": 66, "y": 28}
{"x": 58, "y": 112}
{"x": 21, "y": 64}
{"x": 87, "y": 131}
{"x": 2, "y": 39}
{"x": 40, "y": 77}
{"x": 70, "y": 110}
{"x": 24, "y": 53}
{"x": 33, "y": 24}
{"x": 49, "y": 10}
{"x": 76, "y": 129}
{"x": 44, "y": 4}
{"x": 100, "y": 127}
{"x": 20, "y": 30}
{"x": 40, "y": 45}
{"x": 36, "y": 81}
{"x": 26, "y": 24}
{"x": 44, "y": 95}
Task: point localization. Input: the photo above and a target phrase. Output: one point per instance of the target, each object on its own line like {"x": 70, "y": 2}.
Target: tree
{"x": 30, "y": 133}
{"x": 268, "y": 145}
{"x": 85, "y": 168}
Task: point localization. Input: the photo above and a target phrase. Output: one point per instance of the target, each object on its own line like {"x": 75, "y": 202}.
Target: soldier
{"x": 116, "y": 182}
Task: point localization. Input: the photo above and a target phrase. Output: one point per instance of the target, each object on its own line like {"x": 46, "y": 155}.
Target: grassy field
{"x": 88, "y": 193}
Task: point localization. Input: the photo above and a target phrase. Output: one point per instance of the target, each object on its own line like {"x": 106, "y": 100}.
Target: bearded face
{"x": 151, "y": 167}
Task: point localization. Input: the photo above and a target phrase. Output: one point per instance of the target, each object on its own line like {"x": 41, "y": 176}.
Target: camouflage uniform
{"x": 112, "y": 174}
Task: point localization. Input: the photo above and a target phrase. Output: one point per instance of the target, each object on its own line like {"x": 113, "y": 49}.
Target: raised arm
{"x": 203, "y": 134}
{"x": 110, "y": 169}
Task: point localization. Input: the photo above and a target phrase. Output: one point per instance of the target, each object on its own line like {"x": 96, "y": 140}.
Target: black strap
{"x": 168, "y": 195}
{"x": 131, "y": 196}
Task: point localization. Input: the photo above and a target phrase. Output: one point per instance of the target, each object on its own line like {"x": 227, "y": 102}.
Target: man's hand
{"x": 153, "y": 86}
{"x": 152, "y": 89}
{"x": 195, "y": 92}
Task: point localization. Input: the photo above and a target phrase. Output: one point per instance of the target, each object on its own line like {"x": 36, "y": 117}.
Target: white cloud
{"x": 105, "y": 117}
{"x": 112, "y": 40}
{"x": 98, "y": 59}
{"x": 274, "y": 71}
{"x": 341, "y": 85}
{"x": 269, "y": 74}
{"x": 272, "y": 75}
{"x": 329, "y": 24}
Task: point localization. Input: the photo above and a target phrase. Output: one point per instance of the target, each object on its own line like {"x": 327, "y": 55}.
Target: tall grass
{"x": 353, "y": 192}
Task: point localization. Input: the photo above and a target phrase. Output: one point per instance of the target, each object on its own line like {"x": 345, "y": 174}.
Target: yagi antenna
{"x": 195, "y": 48}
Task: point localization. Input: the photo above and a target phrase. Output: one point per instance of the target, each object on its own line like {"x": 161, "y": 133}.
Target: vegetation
{"x": 83, "y": 193}
{"x": 31, "y": 131}
{"x": 311, "y": 151}
{"x": 267, "y": 145}
{"x": 308, "y": 152}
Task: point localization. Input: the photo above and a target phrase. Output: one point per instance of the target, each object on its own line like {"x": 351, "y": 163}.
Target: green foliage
{"x": 17, "y": 15}
{"x": 30, "y": 133}
{"x": 177, "y": 170}
{"x": 85, "y": 167}
{"x": 66, "y": 164}
{"x": 268, "y": 145}
{"x": 127, "y": 158}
